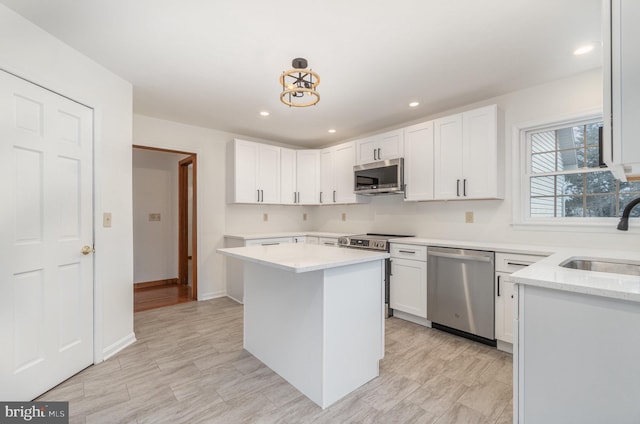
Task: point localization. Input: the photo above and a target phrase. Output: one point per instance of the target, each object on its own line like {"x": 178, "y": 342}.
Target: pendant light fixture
{"x": 299, "y": 85}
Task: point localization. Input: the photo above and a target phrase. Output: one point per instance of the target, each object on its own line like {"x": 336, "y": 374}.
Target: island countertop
{"x": 302, "y": 257}
{"x": 548, "y": 273}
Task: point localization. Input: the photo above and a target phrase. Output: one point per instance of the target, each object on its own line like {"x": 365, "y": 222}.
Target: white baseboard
{"x": 505, "y": 346}
{"x": 118, "y": 346}
{"x": 234, "y": 299}
{"x": 412, "y": 318}
{"x": 211, "y": 295}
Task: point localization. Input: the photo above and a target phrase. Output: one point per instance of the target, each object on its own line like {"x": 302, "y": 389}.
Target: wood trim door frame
{"x": 183, "y": 224}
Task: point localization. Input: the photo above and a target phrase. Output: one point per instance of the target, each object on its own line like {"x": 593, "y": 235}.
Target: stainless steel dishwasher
{"x": 460, "y": 295}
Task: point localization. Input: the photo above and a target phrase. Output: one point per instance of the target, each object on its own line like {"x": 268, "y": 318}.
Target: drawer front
{"x": 268, "y": 241}
{"x": 328, "y": 241}
{"x": 409, "y": 251}
{"x": 512, "y": 262}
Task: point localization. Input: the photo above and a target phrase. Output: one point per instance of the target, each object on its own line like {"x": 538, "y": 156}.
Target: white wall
{"x": 33, "y": 54}
{"x": 215, "y": 217}
{"x": 493, "y": 218}
{"x": 155, "y": 190}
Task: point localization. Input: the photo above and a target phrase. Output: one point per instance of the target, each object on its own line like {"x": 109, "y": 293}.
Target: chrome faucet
{"x": 623, "y": 225}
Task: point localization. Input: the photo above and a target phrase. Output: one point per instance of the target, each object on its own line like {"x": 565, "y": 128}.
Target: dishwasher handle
{"x": 475, "y": 258}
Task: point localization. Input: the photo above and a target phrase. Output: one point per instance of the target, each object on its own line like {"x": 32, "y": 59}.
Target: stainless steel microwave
{"x": 383, "y": 177}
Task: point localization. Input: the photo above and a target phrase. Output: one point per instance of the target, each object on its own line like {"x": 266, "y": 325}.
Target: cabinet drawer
{"x": 512, "y": 262}
{"x": 328, "y": 241}
{"x": 268, "y": 241}
{"x": 409, "y": 251}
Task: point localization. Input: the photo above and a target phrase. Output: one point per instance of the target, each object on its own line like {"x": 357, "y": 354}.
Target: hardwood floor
{"x": 158, "y": 296}
{"x": 188, "y": 366}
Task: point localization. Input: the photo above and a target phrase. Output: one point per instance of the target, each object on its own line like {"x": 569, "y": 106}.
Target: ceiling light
{"x": 264, "y": 113}
{"x": 332, "y": 131}
{"x": 297, "y": 82}
{"x": 414, "y": 104}
{"x": 583, "y": 49}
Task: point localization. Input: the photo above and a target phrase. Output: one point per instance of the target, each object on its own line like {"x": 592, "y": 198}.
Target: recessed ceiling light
{"x": 332, "y": 131}
{"x": 264, "y": 113}
{"x": 583, "y": 49}
{"x": 414, "y": 104}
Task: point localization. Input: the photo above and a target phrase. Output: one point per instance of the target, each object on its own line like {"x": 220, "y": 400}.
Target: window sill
{"x": 598, "y": 225}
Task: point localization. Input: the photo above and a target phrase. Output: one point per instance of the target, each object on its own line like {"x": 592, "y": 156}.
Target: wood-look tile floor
{"x": 188, "y": 366}
{"x": 145, "y": 298}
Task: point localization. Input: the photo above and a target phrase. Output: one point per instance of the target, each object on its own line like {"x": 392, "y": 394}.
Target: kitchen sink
{"x": 603, "y": 265}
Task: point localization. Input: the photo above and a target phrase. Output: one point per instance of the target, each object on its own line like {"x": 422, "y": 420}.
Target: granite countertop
{"x": 549, "y": 274}
{"x": 302, "y": 257}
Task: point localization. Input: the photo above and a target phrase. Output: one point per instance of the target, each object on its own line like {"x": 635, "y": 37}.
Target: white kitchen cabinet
{"x": 468, "y": 156}
{"x": 408, "y": 281}
{"x": 288, "y": 177}
{"x": 308, "y": 177}
{"x": 389, "y": 145}
{"x": 336, "y": 174}
{"x": 576, "y": 358}
{"x": 255, "y": 172}
{"x": 418, "y": 162}
{"x": 506, "y": 299}
{"x": 621, "y": 149}
{"x": 233, "y": 267}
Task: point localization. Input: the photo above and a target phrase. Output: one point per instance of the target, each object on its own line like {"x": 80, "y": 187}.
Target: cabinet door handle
{"x": 374, "y": 155}
{"x": 262, "y": 195}
{"x": 390, "y": 262}
{"x": 498, "y": 283}
{"x": 464, "y": 187}
{"x": 412, "y": 252}
{"x": 518, "y": 264}
{"x": 258, "y": 195}
{"x": 320, "y": 197}
{"x": 405, "y": 192}
{"x": 458, "y": 188}
{"x": 298, "y": 196}
{"x": 334, "y": 196}
{"x": 379, "y": 155}
{"x": 269, "y": 244}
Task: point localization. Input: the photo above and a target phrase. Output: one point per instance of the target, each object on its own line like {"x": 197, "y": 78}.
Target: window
{"x": 563, "y": 178}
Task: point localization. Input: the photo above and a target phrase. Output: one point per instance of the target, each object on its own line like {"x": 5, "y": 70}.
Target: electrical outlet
{"x": 304, "y": 216}
{"x": 344, "y": 216}
{"x": 106, "y": 220}
{"x": 154, "y": 217}
{"x": 468, "y": 217}
{"x": 265, "y": 217}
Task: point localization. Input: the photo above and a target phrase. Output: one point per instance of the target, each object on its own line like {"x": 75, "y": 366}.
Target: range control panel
{"x": 363, "y": 243}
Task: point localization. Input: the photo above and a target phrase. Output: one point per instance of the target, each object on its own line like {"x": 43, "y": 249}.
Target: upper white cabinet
{"x": 418, "y": 160}
{"x": 467, "y": 156}
{"x": 389, "y": 145}
{"x": 336, "y": 174}
{"x": 622, "y": 87}
{"x": 256, "y": 172}
{"x": 308, "y": 176}
{"x": 299, "y": 176}
{"x": 288, "y": 177}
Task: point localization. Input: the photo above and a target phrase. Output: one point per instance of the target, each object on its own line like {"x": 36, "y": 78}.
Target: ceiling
{"x": 217, "y": 63}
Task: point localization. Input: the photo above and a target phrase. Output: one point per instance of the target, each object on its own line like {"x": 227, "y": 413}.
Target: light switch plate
{"x": 265, "y": 217}
{"x": 344, "y": 216}
{"x": 106, "y": 220}
{"x": 154, "y": 217}
{"x": 304, "y": 216}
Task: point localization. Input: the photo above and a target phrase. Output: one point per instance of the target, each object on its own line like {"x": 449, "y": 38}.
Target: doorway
{"x": 164, "y": 227}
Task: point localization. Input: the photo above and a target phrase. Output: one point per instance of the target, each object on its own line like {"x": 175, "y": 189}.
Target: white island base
{"x": 322, "y": 330}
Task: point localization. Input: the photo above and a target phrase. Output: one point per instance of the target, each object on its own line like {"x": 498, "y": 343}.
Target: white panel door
{"x": 418, "y": 161}
{"x": 447, "y": 162}
{"x": 46, "y": 217}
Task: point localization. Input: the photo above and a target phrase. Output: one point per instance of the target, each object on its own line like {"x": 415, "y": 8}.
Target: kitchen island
{"x": 314, "y": 314}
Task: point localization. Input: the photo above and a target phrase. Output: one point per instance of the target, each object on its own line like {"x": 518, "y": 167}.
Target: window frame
{"x": 521, "y": 194}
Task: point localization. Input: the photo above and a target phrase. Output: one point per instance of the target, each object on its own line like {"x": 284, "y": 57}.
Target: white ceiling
{"x": 216, "y": 63}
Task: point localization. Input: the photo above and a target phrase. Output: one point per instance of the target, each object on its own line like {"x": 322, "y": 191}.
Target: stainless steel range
{"x": 373, "y": 241}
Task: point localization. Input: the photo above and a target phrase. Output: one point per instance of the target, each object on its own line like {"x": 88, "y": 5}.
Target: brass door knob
{"x": 87, "y": 249}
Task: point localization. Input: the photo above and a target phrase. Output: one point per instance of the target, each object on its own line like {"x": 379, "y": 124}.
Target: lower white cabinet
{"x": 408, "y": 283}
{"x": 506, "y": 298}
